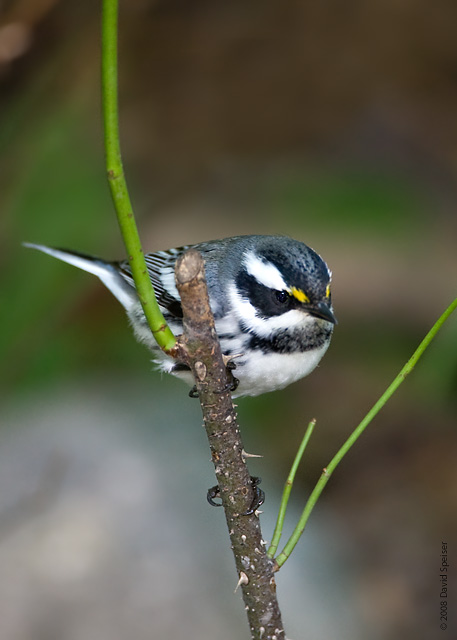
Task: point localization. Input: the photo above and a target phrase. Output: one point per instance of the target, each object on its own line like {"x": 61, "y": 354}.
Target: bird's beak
{"x": 322, "y": 310}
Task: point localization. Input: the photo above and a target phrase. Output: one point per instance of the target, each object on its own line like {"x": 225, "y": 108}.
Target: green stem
{"x": 116, "y": 179}
{"x": 287, "y": 489}
{"x": 328, "y": 471}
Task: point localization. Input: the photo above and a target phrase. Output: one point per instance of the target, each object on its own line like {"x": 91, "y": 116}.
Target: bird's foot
{"x": 258, "y": 499}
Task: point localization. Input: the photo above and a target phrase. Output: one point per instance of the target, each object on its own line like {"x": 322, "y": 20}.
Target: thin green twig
{"x": 287, "y": 489}
{"x": 328, "y": 471}
{"x": 116, "y": 179}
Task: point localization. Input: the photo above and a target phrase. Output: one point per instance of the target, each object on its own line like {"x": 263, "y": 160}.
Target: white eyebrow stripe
{"x": 264, "y": 272}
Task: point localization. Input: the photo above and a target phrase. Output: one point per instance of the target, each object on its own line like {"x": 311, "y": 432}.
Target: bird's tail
{"x": 108, "y": 272}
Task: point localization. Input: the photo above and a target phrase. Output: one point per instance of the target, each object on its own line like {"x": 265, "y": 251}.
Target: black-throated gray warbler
{"x": 270, "y": 296}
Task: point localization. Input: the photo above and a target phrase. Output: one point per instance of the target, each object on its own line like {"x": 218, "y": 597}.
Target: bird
{"x": 270, "y": 296}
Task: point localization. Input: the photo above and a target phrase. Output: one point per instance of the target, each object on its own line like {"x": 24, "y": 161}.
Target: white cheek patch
{"x": 264, "y": 272}
{"x": 243, "y": 309}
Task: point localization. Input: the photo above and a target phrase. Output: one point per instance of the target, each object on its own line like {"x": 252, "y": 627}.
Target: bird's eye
{"x": 282, "y": 296}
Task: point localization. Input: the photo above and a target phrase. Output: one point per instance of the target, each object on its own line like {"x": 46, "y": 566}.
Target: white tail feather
{"x": 107, "y": 272}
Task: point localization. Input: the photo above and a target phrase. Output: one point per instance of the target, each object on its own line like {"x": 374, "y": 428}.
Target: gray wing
{"x": 161, "y": 270}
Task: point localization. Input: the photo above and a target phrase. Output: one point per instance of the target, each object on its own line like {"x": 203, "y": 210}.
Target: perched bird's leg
{"x": 230, "y": 366}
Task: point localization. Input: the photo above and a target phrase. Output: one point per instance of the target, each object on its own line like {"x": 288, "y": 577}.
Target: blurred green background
{"x": 331, "y": 122}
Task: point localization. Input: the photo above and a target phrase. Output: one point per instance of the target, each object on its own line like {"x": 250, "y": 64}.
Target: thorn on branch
{"x": 245, "y": 454}
{"x": 243, "y": 580}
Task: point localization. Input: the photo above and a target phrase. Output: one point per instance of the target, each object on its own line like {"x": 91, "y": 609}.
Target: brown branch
{"x": 200, "y": 349}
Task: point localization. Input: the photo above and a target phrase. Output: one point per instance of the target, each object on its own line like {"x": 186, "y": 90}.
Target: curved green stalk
{"x": 287, "y": 489}
{"x": 118, "y": 186}
{"x": 327, "y": 472}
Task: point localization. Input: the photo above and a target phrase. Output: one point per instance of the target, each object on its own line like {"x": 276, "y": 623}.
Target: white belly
{"x": 268, "y": 372}
{"x": 264, "y": 372}
{"x": 260, "y": 373}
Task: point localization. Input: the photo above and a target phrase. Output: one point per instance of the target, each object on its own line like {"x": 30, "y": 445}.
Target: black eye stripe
{"x": 264, "y": 299}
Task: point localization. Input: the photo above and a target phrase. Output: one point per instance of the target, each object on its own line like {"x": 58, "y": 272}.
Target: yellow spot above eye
{"x": 299, "y": 295}
{"x": 327, "y": 291}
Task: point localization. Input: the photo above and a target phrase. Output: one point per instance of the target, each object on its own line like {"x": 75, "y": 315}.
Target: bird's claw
{"x": 259, "y": 496}
{"x": 258, "y": 499}
{"x": 214, "y": 492}
{"x": 230, "y": 366}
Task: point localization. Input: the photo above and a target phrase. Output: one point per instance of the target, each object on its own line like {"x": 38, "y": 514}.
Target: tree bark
{"x": 200, "y": 349}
